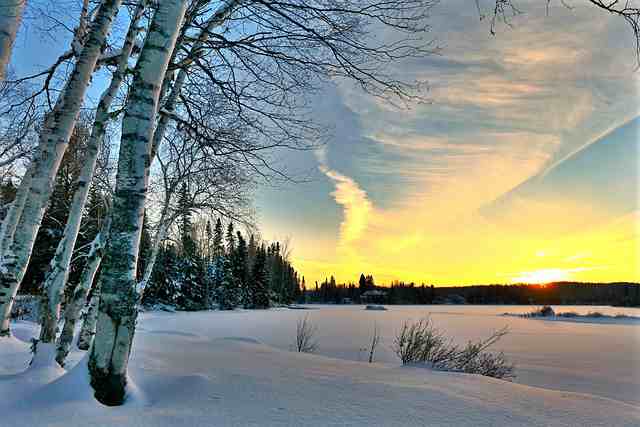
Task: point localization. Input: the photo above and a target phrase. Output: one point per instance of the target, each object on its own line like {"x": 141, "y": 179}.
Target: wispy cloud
{"x": 357, "y": 207}
{"x": 505, "y": 109}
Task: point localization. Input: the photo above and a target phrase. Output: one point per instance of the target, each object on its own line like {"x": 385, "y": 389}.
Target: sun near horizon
{"x": 522, "y": 168}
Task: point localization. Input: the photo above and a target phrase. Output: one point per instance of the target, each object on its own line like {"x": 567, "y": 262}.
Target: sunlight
{"x": 542, "y": 276}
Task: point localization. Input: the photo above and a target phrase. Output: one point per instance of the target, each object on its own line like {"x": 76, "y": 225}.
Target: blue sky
{"x": 502, "y": 110}
{"x": 403, "y": 193}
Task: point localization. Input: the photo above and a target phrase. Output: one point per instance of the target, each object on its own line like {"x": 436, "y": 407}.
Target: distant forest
{"x": 366, "y": 291}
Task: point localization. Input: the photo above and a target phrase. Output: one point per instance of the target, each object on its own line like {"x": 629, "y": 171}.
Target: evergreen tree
{"x": 259, "y": 281}
{"x": 191, "y": 283}
{"x": 226, "y": 290}
{"x": 184, "y": 224}
{"x": 274, "y": 263}
{"x": 371, "y": 284}
{"x": 208, "y": 243}
{"x": 362, "y": 284}
{"x": 303, "y": 292}
{"x": 251, "y": 251}
{"x": 218, "y": 247}
{"x": 164, "y": 287}
{"x": 7, "y": 195}
{"x": 239, "y": 268}
{"x": 230, "y": 239}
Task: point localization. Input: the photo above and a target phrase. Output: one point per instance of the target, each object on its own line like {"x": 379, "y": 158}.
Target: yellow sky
{"x": 414, "y": 190}
{"x": 434, "y": 242}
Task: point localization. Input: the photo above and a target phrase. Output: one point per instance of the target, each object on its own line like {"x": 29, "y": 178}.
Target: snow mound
{"x": 299, "y": 307}
{"x": 12, "y": 353}
{"x": 241, "y": 340}
{"x": 175, "y": 333}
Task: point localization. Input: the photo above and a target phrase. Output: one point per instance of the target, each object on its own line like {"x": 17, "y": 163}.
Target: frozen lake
{"x": 596, "y": 358}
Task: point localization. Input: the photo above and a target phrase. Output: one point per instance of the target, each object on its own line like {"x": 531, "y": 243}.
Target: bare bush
{"x": 421, "y": 342}
{"x": 305, "y": 336}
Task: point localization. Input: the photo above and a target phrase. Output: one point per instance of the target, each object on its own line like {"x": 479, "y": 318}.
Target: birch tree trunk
{"x": 74, "y": 306}
{"x": 56, "y": 277}
{"x": 117, "y": 309}
{"x": 10, "y": 17}
{"x": 88, "y": 330}
{"x": 53, "y": 141}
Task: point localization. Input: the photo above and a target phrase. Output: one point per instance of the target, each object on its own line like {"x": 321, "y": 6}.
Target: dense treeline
{"x": 620, "y": 294}
{"x": 199, "y": 267}
{"x": 220, "y": 269}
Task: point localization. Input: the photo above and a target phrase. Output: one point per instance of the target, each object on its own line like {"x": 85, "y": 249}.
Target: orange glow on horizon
{"x": 542, "y": 276}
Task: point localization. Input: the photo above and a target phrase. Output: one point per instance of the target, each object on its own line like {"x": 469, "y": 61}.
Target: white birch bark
{"x": 88, "y": 330}
{"x": 53, "y": 141}
{"x": 56, "y": 277}
{"x": 117, "y": 309}
{"x": 77, "y": 302}
{"x": 10, "y": 17}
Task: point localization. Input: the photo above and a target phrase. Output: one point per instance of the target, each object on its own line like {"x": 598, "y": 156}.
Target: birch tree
{"x": 57, "y": 275}
{"x": 76, "y": 303}
{"x": 88, "y": 330}
{"x": 292, "y": 44}
{"x": 53, "y": 141}
{"x": 10, "y": 16}
{"x": 117, "y": 310}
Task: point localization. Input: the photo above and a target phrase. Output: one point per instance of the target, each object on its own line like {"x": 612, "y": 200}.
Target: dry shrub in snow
{"x": 545, "y": 311}
{"x": 421, "y": 342}
{"x": 375, "y": 340}
{"x": 305, "y": 336}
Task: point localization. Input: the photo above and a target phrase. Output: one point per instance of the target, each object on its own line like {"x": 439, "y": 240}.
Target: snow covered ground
{"x": 235, "y": 368}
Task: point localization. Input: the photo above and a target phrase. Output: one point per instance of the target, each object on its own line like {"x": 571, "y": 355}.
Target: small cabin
{"x": 373, "y": 296}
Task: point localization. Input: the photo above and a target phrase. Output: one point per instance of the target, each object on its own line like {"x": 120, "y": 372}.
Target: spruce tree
{"x": 239, "y": 268}
{"x": 226, "y": 290}
{"x": 230, "y": 239}
{"x": 184, "y": 223}
{"x": 209, "y": 243}
{"x": 251, "y": 251}
{"x": 362, "y": 284}
{"x": 260, "y": 281}
{"x": 7, "y": 195}
{"x": 164, "y": 287}
{"x": 218, "y": 247}
{"x": 303, "y": 291}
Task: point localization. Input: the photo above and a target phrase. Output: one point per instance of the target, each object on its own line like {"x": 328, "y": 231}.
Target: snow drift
{"x": 192, "y": 379}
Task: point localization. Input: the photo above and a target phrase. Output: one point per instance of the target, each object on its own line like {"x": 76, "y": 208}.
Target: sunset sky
{"x": 522, "y": 168}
